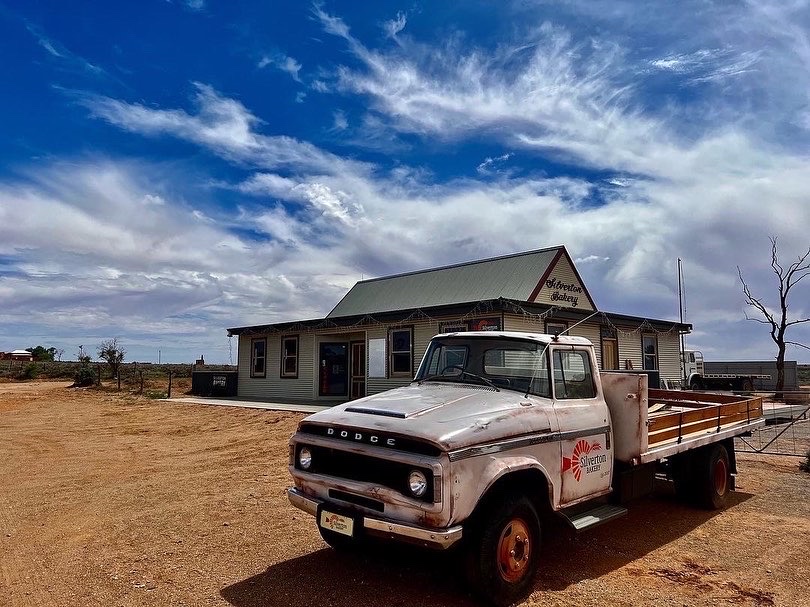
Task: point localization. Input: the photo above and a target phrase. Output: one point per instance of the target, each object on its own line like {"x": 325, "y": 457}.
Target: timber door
{"x": 358, "y": 374}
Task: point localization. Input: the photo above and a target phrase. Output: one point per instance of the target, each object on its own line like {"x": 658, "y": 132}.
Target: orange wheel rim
{"x": 514, "y": 550}
{"x": 720, "y": 477}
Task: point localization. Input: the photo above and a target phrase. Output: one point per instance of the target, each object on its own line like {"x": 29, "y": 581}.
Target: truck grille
{"x": 376, "y": 439}
{"x": 363, "y": 468}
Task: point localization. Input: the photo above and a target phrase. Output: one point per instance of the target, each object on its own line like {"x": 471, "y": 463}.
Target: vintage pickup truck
{"x": 497, "y": 432}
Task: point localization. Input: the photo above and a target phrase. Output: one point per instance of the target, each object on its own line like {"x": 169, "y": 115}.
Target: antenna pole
{"x": 680, "y": 310}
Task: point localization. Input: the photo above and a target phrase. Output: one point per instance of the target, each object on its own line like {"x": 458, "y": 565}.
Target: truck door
{"x": 584, "y": 421}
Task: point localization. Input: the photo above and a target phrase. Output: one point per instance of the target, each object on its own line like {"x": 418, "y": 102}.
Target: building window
{"x": 400, "y": 362}
{"x": 649, "y": 346}
{"x": 555, "y": 328}
{"x": 258, "y": 357}
{"x": 289, "y": 356}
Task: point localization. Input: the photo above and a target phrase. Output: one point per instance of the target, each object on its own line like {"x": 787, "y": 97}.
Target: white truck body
{"x": 490, "y": 414}
{"x": 695, "y": 376}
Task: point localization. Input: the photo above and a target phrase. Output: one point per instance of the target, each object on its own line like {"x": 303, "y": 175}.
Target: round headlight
{"x": 417, "y": 483}
{"x": 305, "y": 458}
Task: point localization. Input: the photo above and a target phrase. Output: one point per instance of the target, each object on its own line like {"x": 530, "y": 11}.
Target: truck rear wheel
{"x": 712, "y": 477}
{"x": 504, "y": 552}
{"x": 747, "y": 385}
{"x": 696, "y": 384}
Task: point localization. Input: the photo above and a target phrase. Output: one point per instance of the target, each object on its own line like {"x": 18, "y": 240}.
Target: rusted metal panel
{"x": 626, "y": 397}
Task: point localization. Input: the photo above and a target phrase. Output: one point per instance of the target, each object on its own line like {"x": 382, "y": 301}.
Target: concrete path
{"x": 295, "y": 407}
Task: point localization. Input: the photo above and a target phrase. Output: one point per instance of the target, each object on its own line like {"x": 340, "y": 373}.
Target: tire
{"x": 503, "y": 554}
{"x": 712, "y": 470}
{"x": 696, "y": 384}
{"x": 747, "y": 385}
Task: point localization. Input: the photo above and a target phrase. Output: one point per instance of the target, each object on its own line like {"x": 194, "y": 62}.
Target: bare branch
{"x": 797, "y": 322}
{"x": 793, "y": 343}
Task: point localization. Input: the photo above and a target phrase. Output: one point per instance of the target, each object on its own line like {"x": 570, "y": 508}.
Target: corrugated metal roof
{"x": 511, "y": 277}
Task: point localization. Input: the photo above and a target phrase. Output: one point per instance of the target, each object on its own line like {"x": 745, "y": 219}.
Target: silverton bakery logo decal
{"x": 584, "y": 459}
{"x": 564, "y": 291}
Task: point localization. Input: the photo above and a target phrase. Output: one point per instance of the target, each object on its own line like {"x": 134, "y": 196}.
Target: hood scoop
{"x": 404, "y": 403}
{"x": 383, "y": 412}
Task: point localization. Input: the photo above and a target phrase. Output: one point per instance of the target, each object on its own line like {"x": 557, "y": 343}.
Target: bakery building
{"x": 374, "y": 338}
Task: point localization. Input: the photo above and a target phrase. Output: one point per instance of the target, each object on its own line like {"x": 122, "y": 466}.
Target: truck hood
{"x": 450, "y": 416}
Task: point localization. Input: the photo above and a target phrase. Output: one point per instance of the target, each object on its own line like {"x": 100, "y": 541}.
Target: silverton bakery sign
{"x": 564, "y": 292}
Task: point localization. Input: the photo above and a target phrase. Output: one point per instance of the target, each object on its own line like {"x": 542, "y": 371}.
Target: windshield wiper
{"x": 462, "y": 372}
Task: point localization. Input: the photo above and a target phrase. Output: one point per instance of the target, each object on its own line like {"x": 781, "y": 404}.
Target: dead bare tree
{"x": 778, "y": 319}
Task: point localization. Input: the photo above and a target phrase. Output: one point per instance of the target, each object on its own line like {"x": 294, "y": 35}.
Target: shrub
{"x": 805, "y": 465}
{"x": 29, "y": 371}
{"x": 84, "y": 374}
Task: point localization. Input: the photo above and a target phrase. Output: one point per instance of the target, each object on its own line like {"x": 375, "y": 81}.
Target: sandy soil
{"x": 110, "y": 499}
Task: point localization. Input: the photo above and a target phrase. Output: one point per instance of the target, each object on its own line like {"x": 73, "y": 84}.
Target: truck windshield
{"x": 506, "y": 363}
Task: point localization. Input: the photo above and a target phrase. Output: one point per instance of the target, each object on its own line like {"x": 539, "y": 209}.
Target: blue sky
{"x": 169, "y": 169}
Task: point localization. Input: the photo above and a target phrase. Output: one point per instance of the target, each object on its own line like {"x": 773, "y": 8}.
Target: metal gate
{"x": 787, "y": 426}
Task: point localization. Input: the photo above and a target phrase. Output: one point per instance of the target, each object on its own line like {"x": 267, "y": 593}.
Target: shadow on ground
{"x": 399, "y": 575}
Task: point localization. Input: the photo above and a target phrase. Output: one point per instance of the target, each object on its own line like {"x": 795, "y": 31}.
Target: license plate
{"x": 337, "y": 523}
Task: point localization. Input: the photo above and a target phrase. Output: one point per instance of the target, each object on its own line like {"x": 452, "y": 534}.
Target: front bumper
{"x": 439, "y": 539}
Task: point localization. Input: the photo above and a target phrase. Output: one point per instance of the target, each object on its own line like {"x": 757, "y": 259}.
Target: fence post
{"x": 98, "y": 375}
{"x": 119, "y": 380}
{"x": 169, "y": 394}
{"x": 141, "y": 374}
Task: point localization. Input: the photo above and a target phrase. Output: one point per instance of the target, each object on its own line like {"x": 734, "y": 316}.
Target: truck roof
{"x": 543, "y": 338}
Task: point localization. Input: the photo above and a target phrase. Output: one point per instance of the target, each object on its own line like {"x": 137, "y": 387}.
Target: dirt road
{"x": 108, "y": 500}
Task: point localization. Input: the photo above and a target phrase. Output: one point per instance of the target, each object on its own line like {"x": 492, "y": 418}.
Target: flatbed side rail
{"x": 697, "y": 413}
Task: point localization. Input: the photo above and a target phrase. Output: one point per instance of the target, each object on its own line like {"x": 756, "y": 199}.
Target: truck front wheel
{"x": 504, "y": 551}
{"x": 713, "y": 477}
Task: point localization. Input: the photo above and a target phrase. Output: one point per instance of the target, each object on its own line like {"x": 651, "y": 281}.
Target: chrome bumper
{"x": 440, "y": 539}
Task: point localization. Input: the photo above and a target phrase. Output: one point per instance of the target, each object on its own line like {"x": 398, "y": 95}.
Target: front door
{"x": 358, "y": 364}
{"x": 333, "y": 379}
{"x": 610, "y": 354}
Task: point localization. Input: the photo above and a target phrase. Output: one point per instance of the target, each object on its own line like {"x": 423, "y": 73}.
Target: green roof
{"x": 510, "y": 277}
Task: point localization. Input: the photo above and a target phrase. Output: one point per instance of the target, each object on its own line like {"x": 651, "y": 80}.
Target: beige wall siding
{"x": 629, "y": 347}
{"x": 423, "y": 331}
{"x": 563, "y": 272}
{"x": 272, "y": 386}
{"x": 669, "y": 355}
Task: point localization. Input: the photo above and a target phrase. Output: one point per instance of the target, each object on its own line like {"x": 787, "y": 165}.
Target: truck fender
{"x": 496, "y": 473}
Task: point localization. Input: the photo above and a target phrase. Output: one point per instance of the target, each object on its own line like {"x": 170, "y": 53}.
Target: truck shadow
{"x": 400, "y": 575}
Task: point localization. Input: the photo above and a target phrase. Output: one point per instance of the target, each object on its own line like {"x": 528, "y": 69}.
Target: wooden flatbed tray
{"x": 687, "y": 413}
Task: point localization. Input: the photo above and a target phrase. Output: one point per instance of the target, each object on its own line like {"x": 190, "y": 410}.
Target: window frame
{"x": 283, "y": 374}
{"x": 644, "y": 354}
{"x": 555, "y": 323}
{"x": 253, "y": 343}
{"x": 588, "y": 371}
{"x": 392, "y": 352}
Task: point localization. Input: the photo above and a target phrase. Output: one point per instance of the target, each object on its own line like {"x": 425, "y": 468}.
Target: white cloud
{"x": 340, "y": 123}
{"x": 392, "y": 27}
{"x": 488, "y": 163}
{"x": 223, "y": 125}
{"x": 284, "y": 63}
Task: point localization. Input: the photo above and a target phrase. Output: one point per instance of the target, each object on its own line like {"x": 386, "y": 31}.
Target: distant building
{"x": 375, "y": 337}
{"x": 23, "y": 355}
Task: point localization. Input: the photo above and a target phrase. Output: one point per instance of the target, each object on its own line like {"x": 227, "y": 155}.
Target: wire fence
{"x": 153, "y": 380}
{"x": 787, "y": 426}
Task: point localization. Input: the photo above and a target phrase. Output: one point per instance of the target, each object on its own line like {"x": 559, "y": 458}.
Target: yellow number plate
{"x": 337, "y": 523}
